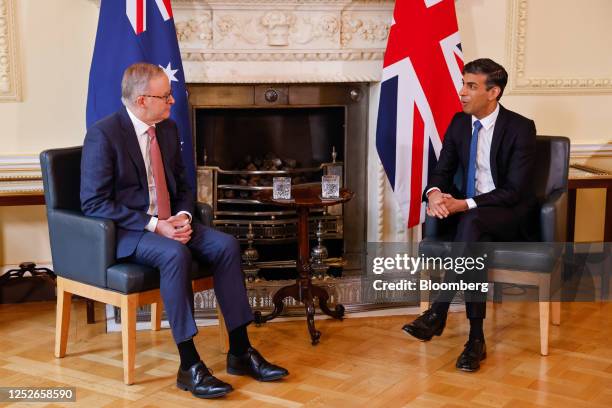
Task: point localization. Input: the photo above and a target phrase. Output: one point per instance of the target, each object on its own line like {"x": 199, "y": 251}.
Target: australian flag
{"x": 131, "y": 31}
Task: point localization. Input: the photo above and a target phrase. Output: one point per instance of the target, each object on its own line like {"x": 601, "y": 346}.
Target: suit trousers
{"x": 174, "y": 261}
{"x": 471, "y": 230}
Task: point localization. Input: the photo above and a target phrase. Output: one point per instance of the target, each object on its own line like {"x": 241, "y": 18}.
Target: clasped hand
{"x": 176, "y": 227}
{"x": 442, "y": 205}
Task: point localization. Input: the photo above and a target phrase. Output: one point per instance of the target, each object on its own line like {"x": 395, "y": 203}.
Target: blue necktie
{"x": 470, "y": 190}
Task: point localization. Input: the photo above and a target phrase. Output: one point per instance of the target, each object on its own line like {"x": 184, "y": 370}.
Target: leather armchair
{"x": 527, "y": 263}
{"x": 83, "y": 252}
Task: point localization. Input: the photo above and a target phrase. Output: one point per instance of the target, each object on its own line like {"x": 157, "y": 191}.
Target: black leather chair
{"x": 83, "y": 252}
{"x": 528, "y": 263}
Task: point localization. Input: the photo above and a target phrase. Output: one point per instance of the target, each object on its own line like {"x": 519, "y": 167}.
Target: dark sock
{"x": 189, "y": 354}
{"x": 476, "y": 331}
{"x": 440, "y": 308}
{"x": 239, "y": 341}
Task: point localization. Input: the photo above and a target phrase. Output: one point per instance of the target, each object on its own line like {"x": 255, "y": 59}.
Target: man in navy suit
{"x": 495, "y": 150}
{"x": 133, "y": 173}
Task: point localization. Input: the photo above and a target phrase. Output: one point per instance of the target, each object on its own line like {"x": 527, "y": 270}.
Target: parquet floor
{"x": 361, "y": 362}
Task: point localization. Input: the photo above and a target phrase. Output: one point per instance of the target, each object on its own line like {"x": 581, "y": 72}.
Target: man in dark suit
{"x": 494, "y": 148}
{"x": 133, "y": 174}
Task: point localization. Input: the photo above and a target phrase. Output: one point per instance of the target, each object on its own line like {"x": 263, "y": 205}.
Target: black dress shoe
{"x": 199, "y": 380}
{"x": 427, "y": 325}
{"x": 474, "y": 352}
{"x": 253, "y": 364}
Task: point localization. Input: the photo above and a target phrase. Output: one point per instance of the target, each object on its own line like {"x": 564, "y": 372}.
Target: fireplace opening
{"x": 300, "y": 137}
{"x": 248, "y": 147}
{"x": 244, "y": 135}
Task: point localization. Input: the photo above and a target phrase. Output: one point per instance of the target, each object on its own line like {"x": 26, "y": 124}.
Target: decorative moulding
{"x": 591, "y": 150}
{"x": 523, "y": 83}
{"x": 10, "y": 78}
{"x": 20, "y": 174}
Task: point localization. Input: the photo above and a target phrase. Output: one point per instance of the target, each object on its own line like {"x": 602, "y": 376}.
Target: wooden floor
{"x": 365, "y": 362}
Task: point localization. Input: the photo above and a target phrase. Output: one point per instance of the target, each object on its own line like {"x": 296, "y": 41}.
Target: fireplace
{"x": 244, "y": 135}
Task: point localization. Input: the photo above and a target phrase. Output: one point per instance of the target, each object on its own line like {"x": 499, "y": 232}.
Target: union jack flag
{"x": 419, "y": 95}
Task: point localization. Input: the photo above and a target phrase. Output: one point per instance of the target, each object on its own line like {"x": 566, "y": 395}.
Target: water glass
{"x": 330, "y": 186}
{"x": 281, "y": 188}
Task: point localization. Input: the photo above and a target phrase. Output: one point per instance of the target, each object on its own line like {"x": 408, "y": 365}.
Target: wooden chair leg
{"x": 544, "y": 327}
{"x": 91, "y": 311}
{"x": 424, "y": 294}
{"x": 556, "y": 313}
{"x": 156, "y": 312}
{"x": 128, "y": 336}
{"x": 498, "y": 292}
{"x": 62, "y": 319}
{"x": 223, "y": 337}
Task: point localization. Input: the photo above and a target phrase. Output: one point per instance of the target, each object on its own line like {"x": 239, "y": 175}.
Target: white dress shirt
{"x": 143, "y": 141}
{"x": 484, "y": 177}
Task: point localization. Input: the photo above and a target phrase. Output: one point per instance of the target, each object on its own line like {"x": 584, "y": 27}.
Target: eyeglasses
{"x": 165, "y": 97}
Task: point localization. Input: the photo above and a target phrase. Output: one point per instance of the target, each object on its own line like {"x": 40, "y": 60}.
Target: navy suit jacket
{"x": 512, "y": 162}
{"x": 114, "y": 180}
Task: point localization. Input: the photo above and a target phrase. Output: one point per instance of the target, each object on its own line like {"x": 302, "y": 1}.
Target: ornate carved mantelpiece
{"x": 284, "y": 41}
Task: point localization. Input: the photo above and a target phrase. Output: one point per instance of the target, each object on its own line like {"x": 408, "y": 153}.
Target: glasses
{"x": 281, "y": 188}
{"x": 165, "y": 97}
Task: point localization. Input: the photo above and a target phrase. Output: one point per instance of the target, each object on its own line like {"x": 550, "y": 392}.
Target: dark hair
{"x": 496, "y": 74}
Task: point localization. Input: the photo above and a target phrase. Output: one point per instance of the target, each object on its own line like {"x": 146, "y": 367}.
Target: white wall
{"x": 54, "y": 42}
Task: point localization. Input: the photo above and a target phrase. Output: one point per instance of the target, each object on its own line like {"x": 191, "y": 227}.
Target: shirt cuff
{"x": 431, "y": 189}
{"x": 152, "y": 224}
{"x": 187, "y": 213}
{"x": 471, "y": 203}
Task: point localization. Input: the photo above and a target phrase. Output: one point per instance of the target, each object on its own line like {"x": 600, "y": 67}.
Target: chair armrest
{"x": 553, "y": 217}
{"x": 82, "y": 247}
{"x": 204, "y": 213}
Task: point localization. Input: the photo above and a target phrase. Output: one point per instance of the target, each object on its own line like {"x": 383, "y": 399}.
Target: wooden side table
{"x": 588, "y": 177}
{"x": 304, "y": 198}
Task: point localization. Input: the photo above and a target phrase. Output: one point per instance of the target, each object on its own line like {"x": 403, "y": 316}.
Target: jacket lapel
{"x": 498, "y": 134}
{"x": 133, "y": 148}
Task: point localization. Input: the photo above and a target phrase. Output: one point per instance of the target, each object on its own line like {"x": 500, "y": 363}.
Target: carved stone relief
{"x": 275, "y": 29}
{"x": 196, "y": 31}
{"x": 364, "y": 30}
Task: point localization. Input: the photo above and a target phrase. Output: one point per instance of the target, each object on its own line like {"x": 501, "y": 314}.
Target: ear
{"x": 139, "y": 101}
{"x": 494, "y": 92}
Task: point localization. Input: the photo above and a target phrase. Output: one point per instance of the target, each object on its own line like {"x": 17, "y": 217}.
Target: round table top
{"x": 305, "y": 195}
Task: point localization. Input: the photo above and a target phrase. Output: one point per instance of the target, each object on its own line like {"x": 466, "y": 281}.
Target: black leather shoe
{"x": 474, "y": 352}
{"x": 253, "y": 364}
{"x": 199, "y": 380}
{"x": 427, "y": 325}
